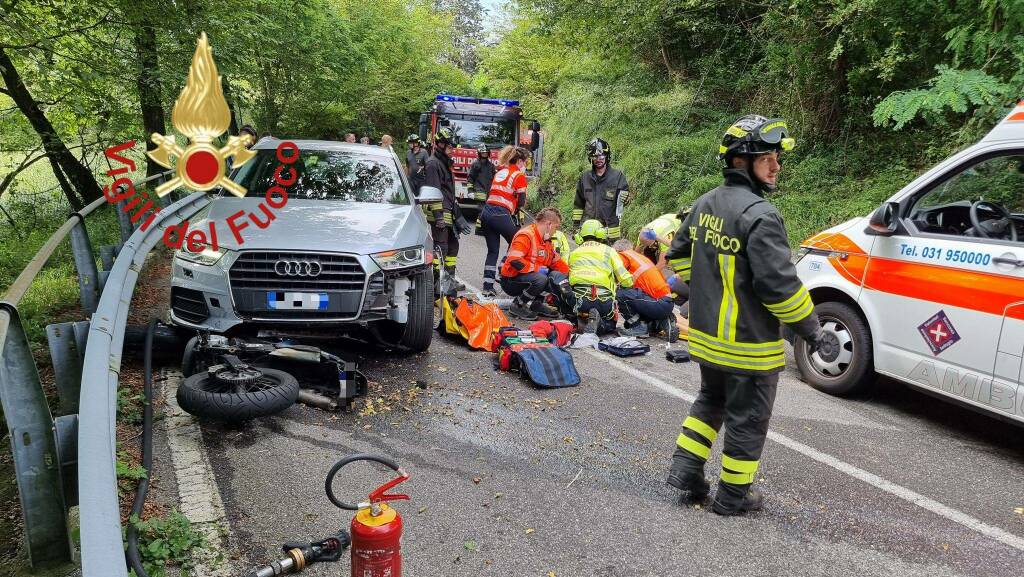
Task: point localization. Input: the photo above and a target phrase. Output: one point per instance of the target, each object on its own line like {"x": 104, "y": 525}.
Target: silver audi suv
{"x": 349, "y": 252}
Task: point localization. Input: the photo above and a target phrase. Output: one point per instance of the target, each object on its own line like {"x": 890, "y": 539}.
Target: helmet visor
{"x": 774, "y": 132}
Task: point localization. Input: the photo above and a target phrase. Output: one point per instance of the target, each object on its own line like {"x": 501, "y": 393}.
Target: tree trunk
{"x": 150, "y": 98}
{"x": 61, "y": 158}
{"x": 73, "y": 200}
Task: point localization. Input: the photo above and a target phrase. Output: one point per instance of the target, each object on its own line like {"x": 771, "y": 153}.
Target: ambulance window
{"x": 945, "y": 209}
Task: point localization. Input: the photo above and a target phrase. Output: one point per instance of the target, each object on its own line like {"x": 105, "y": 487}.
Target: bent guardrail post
{"x": 85, "y": 264}
{"x": 102, "y": 548}
{"x": 36, "y": 460}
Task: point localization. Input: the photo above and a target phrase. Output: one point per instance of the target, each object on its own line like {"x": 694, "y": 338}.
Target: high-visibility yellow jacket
{"x": 596, "y": 270}
{"x": 665, "y": 225}
{"x": 734, "y": 252}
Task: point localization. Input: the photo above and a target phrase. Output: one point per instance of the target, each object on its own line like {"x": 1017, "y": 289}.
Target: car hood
{"x": 329, "y": 226}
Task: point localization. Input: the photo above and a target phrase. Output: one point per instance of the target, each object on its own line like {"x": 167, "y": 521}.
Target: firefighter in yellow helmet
{"x": 734, "y": 251}
{"x": 595, "y": 272}
{"x": 656, "y": 237}
{"x": 561, "y": 243}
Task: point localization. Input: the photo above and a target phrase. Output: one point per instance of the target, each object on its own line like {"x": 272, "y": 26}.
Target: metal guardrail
{"x": 102, "y": 546}
{"x": 49, "y": 474}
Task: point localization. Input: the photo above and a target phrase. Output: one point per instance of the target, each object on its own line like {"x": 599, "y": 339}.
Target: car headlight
{"x": 207, "y": 256}
{"x": 397, "y": 259}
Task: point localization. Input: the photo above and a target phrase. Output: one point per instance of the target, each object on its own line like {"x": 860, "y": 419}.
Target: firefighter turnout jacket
{"x": 481, "y": 175}
{"x": 734, "y": 251}
{"x": 597, "y": 197}
{"x": 596, "y": 270}
{"x": 438, "y": 173}
{"x": 646, "y": 276}
{"x": 528, "y": 252}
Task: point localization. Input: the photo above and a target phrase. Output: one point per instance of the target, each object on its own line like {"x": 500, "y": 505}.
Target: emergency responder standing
{"x": 533, "y": 269}
{"x": 742, "y": 285}
{"x": 499, "y": 217}
{"x": 481, "y": 174}
{"x": 415, "y": 161}
{"x": 446, "y": 217}
{"x": 601, "y": 191}
{"x": 595, "y": 273}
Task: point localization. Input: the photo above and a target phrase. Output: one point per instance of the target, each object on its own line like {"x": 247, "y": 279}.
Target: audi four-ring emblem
{"x": 308, "y": 268}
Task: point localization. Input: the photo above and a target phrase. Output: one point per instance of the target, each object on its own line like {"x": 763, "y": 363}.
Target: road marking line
{"x": 900, "y": 491}
{"x": 870, "y": 478}
{"x": 197, "y": 487}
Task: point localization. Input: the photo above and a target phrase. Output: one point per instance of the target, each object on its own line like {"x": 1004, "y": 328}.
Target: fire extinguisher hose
{"x": 386, "y": 461}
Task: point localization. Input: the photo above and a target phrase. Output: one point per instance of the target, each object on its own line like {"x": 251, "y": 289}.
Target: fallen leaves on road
{"x": 471, "y": 545}
{"x": 1019, "y": 510}
{"x": 530, "y": 530}
{"x": 476, "y": 480}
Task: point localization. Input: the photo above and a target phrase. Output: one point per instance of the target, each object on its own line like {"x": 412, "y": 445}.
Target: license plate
{"x": 292, "y": 301}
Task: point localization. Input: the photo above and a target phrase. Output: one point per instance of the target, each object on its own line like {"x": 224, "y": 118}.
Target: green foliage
{"x": 126, "y": 470}
{"x": 822, "y": 65}
{"x": 129, "y": 406}
{"x": 165, "y": 541}
{"x": 951, "y": 91}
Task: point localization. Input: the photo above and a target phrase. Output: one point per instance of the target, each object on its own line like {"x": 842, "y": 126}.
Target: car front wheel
{"x": 844, "y": 364}
{"x": 420, "y": 324}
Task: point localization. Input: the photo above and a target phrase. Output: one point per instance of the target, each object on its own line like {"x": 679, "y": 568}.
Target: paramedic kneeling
{"x": 533, "y": 268}
{"x": 646, "y": 306}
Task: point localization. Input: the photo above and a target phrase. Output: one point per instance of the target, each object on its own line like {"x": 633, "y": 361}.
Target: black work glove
{"x": 462, "y": 226}
{"x": 815, "y": 342}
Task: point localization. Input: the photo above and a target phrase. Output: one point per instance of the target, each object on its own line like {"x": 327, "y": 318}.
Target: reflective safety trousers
{"x": 733, "y": 250}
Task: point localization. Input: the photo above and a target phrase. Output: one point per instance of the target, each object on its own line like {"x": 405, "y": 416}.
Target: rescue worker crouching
{"x": 656, "y": 237}
{"x": 601, "y": 191}
{"x": 445, "y": 217}
{"x": 734, "y": 250}
{"x": 595, "y": 273}
{"x": 647, "y": 306}
{"x": 533, "y": 269}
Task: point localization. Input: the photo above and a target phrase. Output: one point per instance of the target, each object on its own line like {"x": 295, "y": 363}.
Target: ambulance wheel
{"x": 844, "y": 365}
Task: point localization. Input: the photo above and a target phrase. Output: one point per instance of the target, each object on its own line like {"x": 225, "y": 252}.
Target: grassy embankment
{"x": 666, "y": 144}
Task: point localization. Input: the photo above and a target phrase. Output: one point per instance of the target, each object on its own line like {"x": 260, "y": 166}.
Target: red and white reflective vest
{"x": 508, "y": 187}
{"x": 646, "y": 276}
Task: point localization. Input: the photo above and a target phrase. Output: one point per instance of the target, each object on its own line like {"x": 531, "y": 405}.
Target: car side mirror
{"x": 429, "y": 195}
{"x": 884, "y": 220}
{"x": 535, "y": 137}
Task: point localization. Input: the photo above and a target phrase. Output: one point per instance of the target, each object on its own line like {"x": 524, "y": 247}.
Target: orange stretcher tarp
{"x": 481, "y": 322}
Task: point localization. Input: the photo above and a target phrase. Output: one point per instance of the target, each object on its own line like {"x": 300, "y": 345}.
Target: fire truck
{"x": 475, "y": 121}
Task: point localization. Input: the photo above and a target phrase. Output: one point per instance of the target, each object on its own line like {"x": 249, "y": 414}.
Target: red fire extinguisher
{"x": 376, "y": 527}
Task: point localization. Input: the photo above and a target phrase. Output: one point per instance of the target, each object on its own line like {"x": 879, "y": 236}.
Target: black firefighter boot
{"x": 684, "y": 477}
{"x": 752, "y": 501}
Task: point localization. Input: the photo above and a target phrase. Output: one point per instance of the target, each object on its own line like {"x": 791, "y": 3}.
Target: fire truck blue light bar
{"x": 450, "y": 98}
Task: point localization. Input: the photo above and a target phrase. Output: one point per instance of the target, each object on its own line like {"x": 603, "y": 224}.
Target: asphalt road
{"x": 512, "y": 480}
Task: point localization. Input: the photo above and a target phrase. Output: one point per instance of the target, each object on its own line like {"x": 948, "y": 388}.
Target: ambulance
{"x": 929, "y": 289}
